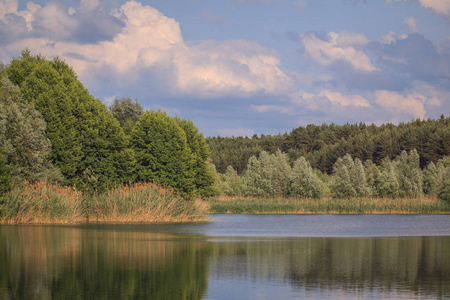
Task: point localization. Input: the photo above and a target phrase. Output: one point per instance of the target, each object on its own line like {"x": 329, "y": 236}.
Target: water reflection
{"x": 413, "y": 266}
{"x": 70, "y": 263}
{"x": 51, "y": 262}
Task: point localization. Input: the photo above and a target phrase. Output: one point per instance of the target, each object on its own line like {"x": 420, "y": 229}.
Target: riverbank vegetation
{"x": 67, "y": 157}
{"x": 43, "y": 203}
{"x": 327, "y": 205}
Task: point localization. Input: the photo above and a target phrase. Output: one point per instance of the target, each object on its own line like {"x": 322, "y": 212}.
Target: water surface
{"x": 233, "y": 257}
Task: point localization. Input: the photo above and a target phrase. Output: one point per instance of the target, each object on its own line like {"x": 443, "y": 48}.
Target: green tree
{"x": 409, "y": 174}
{"x": 162, "y": 152}
{"x": 22, "y": 135}
{"x": 304, "y": 182}
{"x": 83, "y": 134}
{"x": 387, "y": 182}
{"x": 230, "y": 183}
{"x": 268, "y": 175}
{"x": 442, "y": 183}
{"x": 127, "y": 112}
{"x": 200, "y": 155}
{"x": 349, "y": 178}
{"x": 429, "y": 179}
{"x": 5, "y": 177}
{"x": 372, "y": 172}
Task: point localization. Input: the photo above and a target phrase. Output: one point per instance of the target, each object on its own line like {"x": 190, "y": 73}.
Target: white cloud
{"x": 236, "y": 132}
{"x": 338, "y": 47}
{"x": 441, "y": 7}
{"x": 344, "y": 100}
{"x": 272, "y": 108}
{"x": 411, "y": 104}
{"x": 412, "y": 24}
{"x": 392, "y": 37}
{"x": 151, "y": 41}
{"x": 7, "y": 7}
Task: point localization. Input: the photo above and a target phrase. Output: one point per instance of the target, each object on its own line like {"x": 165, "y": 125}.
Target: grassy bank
{"x": 42, "y": 203}
{"x": 328, "y": 205}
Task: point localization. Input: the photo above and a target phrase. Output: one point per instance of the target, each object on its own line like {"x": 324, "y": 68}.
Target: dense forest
{"x": 323, "y": 145}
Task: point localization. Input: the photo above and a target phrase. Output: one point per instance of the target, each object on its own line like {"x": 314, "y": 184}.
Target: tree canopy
{"x": 84, "y": 136}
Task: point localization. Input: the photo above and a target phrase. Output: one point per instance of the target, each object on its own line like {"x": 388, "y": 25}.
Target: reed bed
{"x": 328, "y": 205}
{"x": 145, "y": 202}
{"x": 42, "y": 203}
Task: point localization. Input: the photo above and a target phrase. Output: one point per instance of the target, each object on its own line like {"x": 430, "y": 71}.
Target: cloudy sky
{"x": 239, "y": 67}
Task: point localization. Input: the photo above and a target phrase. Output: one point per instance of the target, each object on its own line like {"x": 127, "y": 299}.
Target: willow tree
{"x": 304, "y": 182}
{"x": 349, "y": 178}
{"x": 268, "y": 175}
{"x": 409, "y": 174}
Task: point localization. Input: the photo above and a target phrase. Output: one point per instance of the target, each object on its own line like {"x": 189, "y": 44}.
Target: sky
{"x": 245, "y": 67}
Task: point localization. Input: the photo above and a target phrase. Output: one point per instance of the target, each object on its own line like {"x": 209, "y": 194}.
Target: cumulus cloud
{"x": 338, "y": 47}
{"x": 344, "y": 100}
{"x": 418, "y": 58}
{"x": 411, "y": 104}
{"x": 150, "y": 41}
{"x": 412, "y": 23}
{"x": 441, "y": 7}
{"x": 57, "y": 21}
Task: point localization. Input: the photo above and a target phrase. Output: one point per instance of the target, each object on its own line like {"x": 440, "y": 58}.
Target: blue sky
{"x": 240, "y": 67}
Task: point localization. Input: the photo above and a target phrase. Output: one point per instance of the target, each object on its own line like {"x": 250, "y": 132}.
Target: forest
{"x": 94, "y": 160}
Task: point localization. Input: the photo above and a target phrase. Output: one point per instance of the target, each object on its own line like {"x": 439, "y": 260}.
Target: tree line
{"x": 322, "y": 145}
{"x": 271, "y": 175}
{"x": 52, "y": 129}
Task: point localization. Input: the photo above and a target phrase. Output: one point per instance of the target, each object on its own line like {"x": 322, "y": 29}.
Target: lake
{"x": 231, "y": 257}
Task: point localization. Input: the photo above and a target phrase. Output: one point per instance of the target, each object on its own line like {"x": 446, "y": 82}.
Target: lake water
{"x": 232, "y": 257}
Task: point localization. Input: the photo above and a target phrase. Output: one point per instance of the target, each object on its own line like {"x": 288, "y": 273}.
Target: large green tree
{"x": 85, "y": 137}
{"x": 199, "y": 165}
{"x": 22, "y": 135}
{"x": 5, "y": 176}
{"x": 162, "y": 152}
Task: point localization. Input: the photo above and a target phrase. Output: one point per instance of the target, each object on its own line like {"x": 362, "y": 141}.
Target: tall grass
{"x": 42, "y": 203}
{"x": 144, "y": 202}
{"x": 328, "y": 205}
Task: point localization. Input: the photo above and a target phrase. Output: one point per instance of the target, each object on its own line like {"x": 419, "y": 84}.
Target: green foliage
{"x": 429, "y": 179}
{"x": 230, "y": 183}
{"x": 386, "y": 184}
{"x": 5, "y": 177}
{"x": 304, "y": 182}
{"x": 268, "y": 175}
{"x": 322, "y": 145}
{"x": 127, "y": 112}
{"x": 409, "y": 174}
{"x": 82, "y": 132}
{"x": 22, "y": 135}
{"x": 162, "y": 152}
{"x": 200, "y": 154}
{"x": 372, "y": 172}
{"x": 349, "y": 178}
{"x": 445, "y": 192}
{"x": 442, "y": 182}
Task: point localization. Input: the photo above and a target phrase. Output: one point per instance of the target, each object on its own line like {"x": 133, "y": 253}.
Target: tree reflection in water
{"x": 57, "y": 262}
